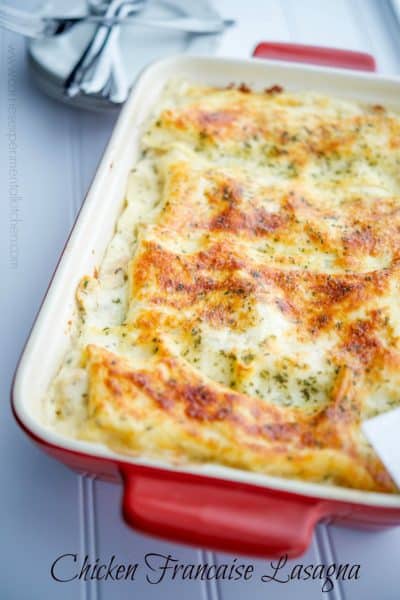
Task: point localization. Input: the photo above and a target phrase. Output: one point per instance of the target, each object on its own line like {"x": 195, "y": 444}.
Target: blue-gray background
{"x": 46, "y": 510}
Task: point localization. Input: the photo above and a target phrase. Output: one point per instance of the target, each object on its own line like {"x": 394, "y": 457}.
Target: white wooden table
{"x": 46, "y": 510}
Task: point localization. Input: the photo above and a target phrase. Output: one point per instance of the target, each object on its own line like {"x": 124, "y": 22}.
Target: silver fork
{"x": 41, "y": 26}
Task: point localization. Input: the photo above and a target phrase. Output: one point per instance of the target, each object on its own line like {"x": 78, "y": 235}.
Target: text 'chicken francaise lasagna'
{"x": 247, "y": 310}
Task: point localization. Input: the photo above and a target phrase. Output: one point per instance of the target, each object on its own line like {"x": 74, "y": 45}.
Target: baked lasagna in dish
{"x": 247, "y": 310}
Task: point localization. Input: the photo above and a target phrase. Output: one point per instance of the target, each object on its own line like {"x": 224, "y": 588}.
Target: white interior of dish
{"x": 95, "y": 225}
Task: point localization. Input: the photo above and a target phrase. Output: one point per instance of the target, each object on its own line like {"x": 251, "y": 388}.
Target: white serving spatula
{"x": 383, "y": 433}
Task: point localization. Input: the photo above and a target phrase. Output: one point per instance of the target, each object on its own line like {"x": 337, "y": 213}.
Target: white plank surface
{"x": 45, "y": 510}
{"x": 37, "y": 497}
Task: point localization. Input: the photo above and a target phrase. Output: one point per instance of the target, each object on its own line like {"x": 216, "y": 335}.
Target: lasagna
{"x": 246, "y": 312}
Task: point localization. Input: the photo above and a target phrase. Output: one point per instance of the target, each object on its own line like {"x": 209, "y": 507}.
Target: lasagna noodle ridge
{"x": 171, "y": 407}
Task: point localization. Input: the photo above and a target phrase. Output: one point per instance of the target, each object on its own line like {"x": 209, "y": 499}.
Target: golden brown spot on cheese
{"x": 274, "y": 89}
{"x": 361, "y": 342}
{"x": 212, "y": 121}
{"x": 257, "y": 222}
{"x": 245, "y": 89}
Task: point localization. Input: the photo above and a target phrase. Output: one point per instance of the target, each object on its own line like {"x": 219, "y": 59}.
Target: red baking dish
{"x": 206, "y": 505}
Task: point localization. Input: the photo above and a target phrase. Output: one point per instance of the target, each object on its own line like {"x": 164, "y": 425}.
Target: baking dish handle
{"x": 218, "y": 514}
{"x": 317, "y": 55}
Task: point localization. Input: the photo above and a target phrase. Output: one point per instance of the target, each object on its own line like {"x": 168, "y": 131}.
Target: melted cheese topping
{"x": 246, "y": 312}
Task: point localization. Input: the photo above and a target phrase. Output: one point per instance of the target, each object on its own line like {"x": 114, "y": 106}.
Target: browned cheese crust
{"x": 276, "y": 246}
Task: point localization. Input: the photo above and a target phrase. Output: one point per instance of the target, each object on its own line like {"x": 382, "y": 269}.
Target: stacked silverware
{"x": 99, "y": 71}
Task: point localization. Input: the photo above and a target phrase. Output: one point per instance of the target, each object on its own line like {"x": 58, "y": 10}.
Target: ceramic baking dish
{"x": 211, "y": 506}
